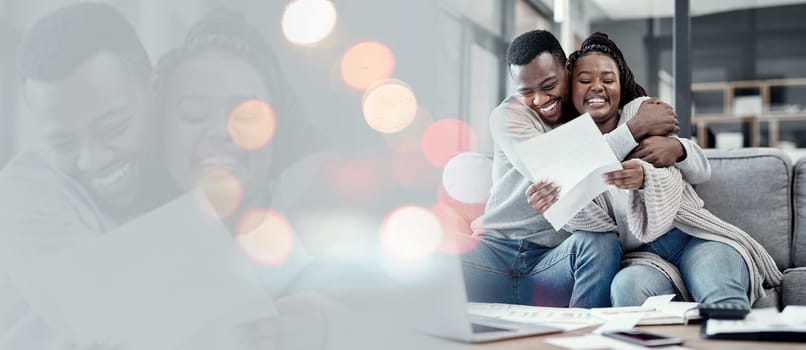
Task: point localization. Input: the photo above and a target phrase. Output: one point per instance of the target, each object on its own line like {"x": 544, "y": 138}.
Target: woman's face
{"x": 596, "y": 88}
{"x": 202, "y": 98}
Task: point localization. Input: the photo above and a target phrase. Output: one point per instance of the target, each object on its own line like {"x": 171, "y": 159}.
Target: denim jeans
{"x": 713, "y": 272}
{"x": 576, "y": 273}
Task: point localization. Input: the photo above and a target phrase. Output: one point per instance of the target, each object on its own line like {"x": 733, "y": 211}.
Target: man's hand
{"x": 660, "y": 151}
{"x": 654, "y": 118}
{"x": 542, "y": 195}
{"x": 629, "y": 178}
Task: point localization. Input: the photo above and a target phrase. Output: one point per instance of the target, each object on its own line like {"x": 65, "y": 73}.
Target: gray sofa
{"x": 760, "y": 191}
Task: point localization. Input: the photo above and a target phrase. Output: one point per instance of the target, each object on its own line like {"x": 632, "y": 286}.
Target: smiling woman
{"x": 227, "y": 107}
{"x": 602, "y": 82}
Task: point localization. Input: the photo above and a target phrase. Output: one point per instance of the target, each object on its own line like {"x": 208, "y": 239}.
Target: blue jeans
{"x": 713, "y": 272}
{"x": 576, "y": 273}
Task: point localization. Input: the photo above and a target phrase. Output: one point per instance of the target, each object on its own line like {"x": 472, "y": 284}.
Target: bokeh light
{"x": 342, "y": 233}
{"x": 222, "y": 190}
{"x": 446, "y": 138}
{"x": 467, "y": 177}
{"x": 252, "y": 124}
{"x": 456, "y": 233}
{"x": 469, "y": 212}
{"x": 266, "y": 237}
{"x": 412, "y": 170}
{"x": 410, "y": 234}
{"x": 410, "y": 138}
{"x": 366, "y": 64}
{"x": 356, "y": 179}
{"x": 389, "y": 107}
{"x": 307, "y": 22}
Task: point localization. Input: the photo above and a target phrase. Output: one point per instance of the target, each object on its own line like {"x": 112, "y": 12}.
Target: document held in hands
{"x": 574, "y": 156}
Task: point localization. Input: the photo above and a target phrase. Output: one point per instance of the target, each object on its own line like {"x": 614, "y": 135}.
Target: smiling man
{"x": 521, "y": 259}
{"x": 85, "y": 77}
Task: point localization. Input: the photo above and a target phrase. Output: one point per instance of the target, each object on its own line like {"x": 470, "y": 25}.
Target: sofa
{"x": 762, "y": 192}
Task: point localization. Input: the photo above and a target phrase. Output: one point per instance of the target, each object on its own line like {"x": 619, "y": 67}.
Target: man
{"x": 85, "y": 77}
{"x": 520, "y": 258}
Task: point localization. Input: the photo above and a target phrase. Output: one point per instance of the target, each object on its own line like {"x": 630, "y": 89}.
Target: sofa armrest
{"x": 799, "y": 202}
{"x": 794, "y": 292}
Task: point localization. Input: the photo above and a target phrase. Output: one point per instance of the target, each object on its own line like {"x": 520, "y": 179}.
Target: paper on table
{"x": 657, "y": 302}
{"x": 574, "y": 156}
{"x": 621, "y": 322}
{"x": 149, "y": 284}
{"x": 762, "y": 320}
{"x": 566, "y": 319}
{"x": 596, "y": 342}
{"x": 655, "y": 310}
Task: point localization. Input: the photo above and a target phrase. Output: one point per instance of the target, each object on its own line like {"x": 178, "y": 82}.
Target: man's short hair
{"x": 61, "y": 41}
{"x": 531, "y": 44}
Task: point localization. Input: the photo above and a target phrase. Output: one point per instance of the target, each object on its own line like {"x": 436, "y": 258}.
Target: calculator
{"x": 723, "y": 311}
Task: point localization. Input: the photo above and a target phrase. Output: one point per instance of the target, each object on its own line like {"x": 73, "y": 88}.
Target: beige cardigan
{"x": 666, "y": 202}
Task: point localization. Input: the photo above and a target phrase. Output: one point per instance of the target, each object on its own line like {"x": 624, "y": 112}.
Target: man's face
{"x": 95, "y": 124}
{"x": 543, "y": 86}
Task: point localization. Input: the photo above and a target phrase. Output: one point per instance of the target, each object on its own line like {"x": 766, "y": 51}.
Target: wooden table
{"x": 690, "y": 335}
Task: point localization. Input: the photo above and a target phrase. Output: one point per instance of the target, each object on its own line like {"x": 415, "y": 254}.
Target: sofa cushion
{"x": 799, "y": 201}
{"x": 751, "y": 188}
{"x": 793, "y": 291}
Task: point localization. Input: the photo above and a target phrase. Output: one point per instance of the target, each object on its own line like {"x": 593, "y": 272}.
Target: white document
{"x": 792, "y": 319}
{"x": 574, "y": 156}
{"x": 598, "y": 342}
{"x": 149, "y": 284}
{"x": 567, "y": 319}
{"x": 656, "y": 310}
{"x": 621, "y": 322}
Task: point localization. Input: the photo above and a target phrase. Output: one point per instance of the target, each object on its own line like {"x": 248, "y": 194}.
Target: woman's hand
{"x": 542, "y": 195}
{"x": 629, "y": 178}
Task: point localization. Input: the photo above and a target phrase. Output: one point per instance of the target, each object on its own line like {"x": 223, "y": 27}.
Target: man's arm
{"x": 666, "y": 150}
{"x": 652, "y": 118}
{"x": 683, "y": 154}
{"x": 644, "y": 117}
{"x": 694, "y": 166}
{"x": 511, "y": 124}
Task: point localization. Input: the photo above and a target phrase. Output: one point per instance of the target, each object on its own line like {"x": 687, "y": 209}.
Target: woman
{"x": 686, "y": 250}
{"x": 232, "y": 127}
{"x": 222, "y": 83}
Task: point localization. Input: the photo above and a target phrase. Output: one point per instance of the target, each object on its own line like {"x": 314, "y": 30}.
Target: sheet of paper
{"x": 596, "y": 342}
{"x": 794, "y": 315}
{"x": 149, "y": 284}
{"x": 655, "y": 310}
{"x": 566, "y": 319}
{"x": 761, "y": 320}
{"x": 574, "y": 156}
{"x": 657, "y": 302}
{"x": 620, "y": 322}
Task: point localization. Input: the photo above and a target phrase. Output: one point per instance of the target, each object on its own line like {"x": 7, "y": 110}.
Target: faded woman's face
{"x": 217, "y": 121}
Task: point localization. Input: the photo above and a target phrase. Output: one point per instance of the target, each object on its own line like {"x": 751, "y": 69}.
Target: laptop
{"x": 439, "y": 308}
